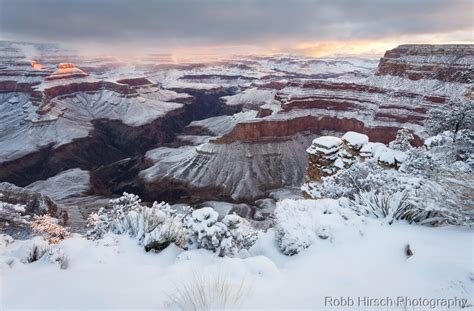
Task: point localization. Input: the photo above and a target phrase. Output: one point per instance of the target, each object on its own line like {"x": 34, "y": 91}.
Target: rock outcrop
{"x": 322, "y": 158}
{"x": 66, "y": 70}
{"x": 19, "y": 206}
{"x": 35, "y": 202}
{"x": 329, "y": 154}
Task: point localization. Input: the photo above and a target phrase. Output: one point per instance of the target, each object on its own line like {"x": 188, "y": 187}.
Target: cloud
{"x": 224, "y": 22}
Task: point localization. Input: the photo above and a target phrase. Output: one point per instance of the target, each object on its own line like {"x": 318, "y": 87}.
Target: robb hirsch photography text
{"x": 398, "y": 301}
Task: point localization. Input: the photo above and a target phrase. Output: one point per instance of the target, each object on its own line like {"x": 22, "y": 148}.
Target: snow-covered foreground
{"x": 365, "y": 260}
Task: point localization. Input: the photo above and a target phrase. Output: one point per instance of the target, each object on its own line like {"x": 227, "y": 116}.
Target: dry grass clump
{"x": 208, "y": 292}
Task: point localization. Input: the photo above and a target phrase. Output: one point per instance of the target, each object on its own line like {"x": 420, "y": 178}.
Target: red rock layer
{"x": 275, "y": 130}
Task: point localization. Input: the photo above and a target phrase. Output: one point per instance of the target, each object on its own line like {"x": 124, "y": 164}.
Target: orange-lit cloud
{"x": 378, "y": 46}
{"x": 210, "y": 27}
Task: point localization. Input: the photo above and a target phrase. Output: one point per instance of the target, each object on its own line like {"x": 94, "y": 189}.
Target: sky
{"x": 310, "y": 27}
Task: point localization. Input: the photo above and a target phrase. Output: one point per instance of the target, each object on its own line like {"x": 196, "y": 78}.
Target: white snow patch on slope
{"x": 221, "y": 125}
{"x": 69, "y": 183}
{"x": 252, "y": 97}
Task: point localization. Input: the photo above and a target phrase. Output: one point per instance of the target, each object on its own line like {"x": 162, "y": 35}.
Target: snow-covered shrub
{"x": 208, "y": 292}
{"x": 362, "y": 176}
{"x": 402, "y": 141}
{"x": 155, "y": 227}
{"x": 400, "y": 206}
{"x": 5, "y": 240}
{"x": 300, "y": 222}
{"x": 448, "y": 195}
{"x": 389, "y": 206}
{"x": 163, "y": 225}
{"x": 58, "y": 257}
{"x": 35, "y": 251}
{"x": 453, "y": 117}
{"x": 48, "y": 227}
{"x": 40, "y": 250}
{"x": 418, "y": 163}
{"x": 224, "y": 237}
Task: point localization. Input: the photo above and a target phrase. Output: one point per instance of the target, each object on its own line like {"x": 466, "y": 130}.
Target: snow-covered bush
{"x": 38, "y": 248}
{"x": 160, "y": 225}
{"x": 224, "y": 237}
{"x": 155, "y": 227}
{"x": 360, "y": 177}
{"x": 400, "y": 206}
{"x": 300, "y": 222}
{"x": 388, "y": 206}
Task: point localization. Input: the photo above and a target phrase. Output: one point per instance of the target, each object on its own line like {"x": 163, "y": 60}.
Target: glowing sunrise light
{"x": 36, "y": 66}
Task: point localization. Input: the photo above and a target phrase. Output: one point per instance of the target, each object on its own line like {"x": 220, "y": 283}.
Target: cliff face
{"x": 449, "y": 63}
{"x": 316, "y": 106}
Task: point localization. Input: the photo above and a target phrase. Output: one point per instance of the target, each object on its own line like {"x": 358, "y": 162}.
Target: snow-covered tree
{"x": 454, "y": 116}
{"x": 402, "y": 141}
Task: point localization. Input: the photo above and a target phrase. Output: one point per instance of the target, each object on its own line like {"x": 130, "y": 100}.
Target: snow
{"x": 252, "y": 97}
{"x": 360, "y": 258}
{"x": 301, "y": 222}
{"x": 5, "y": 207}
{"x": 339, "y": 163}
{"x": 355, "y": 139}
{"x": 325, "y": 144}
{"x": 69, "y": 183}
{"x": 390, "y": 156}
{"x": 221, "y": 125}
{"x": 372, "y": 149}
{"x": 327, "y": 141}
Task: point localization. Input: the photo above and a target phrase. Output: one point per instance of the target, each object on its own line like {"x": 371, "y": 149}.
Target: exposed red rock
{"x": 278, "y": 130}
{"x": 67, "y": 70}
